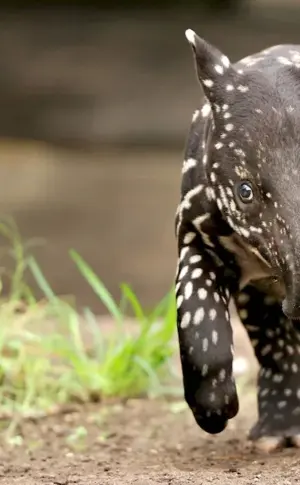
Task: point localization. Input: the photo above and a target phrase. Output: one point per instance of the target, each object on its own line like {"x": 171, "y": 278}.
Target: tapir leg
{"x": 205, "y": 334}
{"x": 276, "y": 342}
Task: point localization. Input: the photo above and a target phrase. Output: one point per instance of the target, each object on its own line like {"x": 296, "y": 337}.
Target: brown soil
{"x": 141, "y": 442}
{"x": 145, "y": 442}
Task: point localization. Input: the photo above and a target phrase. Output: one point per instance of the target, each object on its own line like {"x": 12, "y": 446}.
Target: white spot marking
{"x": 205, "y": 110}
{"x": 186, "y": 319}
{"x": 195, "y": 116}
{"x": 225, "y": 61}
{"x": 196, "y": 258}
{"x": 189, "y": 237}
{"x": 179, "y": 301}
{"x": 200, "y": 219}
{"x": 243, "y": 89}
{"x": 188, "y": 290}
{"x": 202, "y": 293}
{"x": 197, "y": 273}
{"x": 219, "y": 69}
{"x": 199, "y": 316}
{"x": 191, "y": 36}
{"x": 208, "y": 83}
{"x": 212, "y": 314}
{"x": 183, "y": 272}
{"x": 205, "y": 345}
{"x": 188, "y": 164}
{"x": 214, "y": 337}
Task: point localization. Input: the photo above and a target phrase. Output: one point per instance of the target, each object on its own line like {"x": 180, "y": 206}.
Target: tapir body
{"x": 238, "y": 234}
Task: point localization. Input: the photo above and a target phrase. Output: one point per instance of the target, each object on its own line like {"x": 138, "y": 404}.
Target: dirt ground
{"x": 145, "y": 442}
{"x": 142, "y": 443}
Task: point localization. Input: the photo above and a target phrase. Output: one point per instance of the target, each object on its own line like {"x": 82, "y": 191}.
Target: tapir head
{"x": 253, "y": 156}
{"x": 245, "y": 175}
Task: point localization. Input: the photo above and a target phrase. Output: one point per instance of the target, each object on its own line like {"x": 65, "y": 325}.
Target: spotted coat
{"x": 238, "y": 233}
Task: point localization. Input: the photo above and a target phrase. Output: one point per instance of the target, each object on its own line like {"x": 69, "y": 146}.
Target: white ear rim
{"x": 190, "y": 35}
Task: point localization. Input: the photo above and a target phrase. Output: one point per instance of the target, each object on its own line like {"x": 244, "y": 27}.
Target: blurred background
{"x": 95, "y": 104}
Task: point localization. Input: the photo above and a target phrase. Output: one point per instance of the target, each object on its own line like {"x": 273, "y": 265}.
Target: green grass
{"x": 51, "y": 355}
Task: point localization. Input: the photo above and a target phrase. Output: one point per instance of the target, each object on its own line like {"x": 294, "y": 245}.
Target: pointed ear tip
{"x": 190, "y": 35}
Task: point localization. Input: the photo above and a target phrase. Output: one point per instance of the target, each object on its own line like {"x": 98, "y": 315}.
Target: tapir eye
{"x": 245, "y": 192}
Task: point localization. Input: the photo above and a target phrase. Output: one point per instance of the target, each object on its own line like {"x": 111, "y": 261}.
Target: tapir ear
{"x": 215, "y": 71}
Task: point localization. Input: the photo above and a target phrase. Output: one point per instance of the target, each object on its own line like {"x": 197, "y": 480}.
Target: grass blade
{"x": 134, "y": 302}
{"x": 41, "y": 280}
{"x": 97, "y": 285}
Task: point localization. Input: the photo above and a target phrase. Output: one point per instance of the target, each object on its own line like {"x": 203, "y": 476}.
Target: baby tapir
{"x": 238, "y": 233}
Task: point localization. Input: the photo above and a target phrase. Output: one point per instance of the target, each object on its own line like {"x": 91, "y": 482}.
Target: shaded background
{"x": 95, "y": 105}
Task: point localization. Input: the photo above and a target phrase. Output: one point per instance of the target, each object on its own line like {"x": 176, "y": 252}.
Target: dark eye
{"x": 245, "y": 192}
